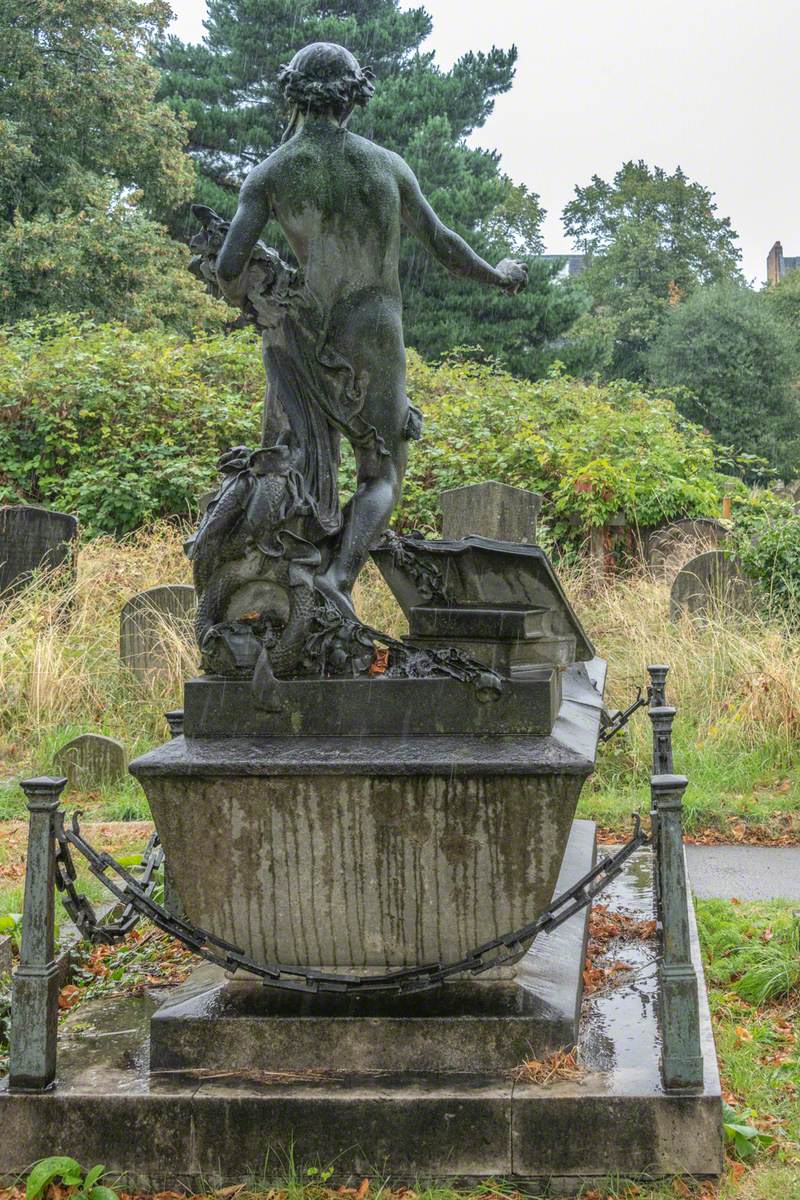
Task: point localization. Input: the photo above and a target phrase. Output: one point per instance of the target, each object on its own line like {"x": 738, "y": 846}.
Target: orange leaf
{"x": 380, "y": 662}
{"x": 363, "y": 1188}
{"x": 742, "y": 1034}
{"x": 680, "y": 1188}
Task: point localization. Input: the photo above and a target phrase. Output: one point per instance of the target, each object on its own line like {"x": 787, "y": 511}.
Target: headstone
{"x": 707, "y": 583}
{"x": 148, "y": 620}
{"x": 32, "y": 539}
{"x": 491, "y": 510}
{"x": 673, "y": 545}
{"x": 5, "y": 954}
{"x": 90, "y": 760}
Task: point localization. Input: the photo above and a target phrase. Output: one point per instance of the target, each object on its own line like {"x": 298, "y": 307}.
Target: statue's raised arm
{"x": 448, "y": 247}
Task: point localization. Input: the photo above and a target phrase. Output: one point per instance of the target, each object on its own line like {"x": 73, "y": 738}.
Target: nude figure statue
{"x": 341, "y": 201}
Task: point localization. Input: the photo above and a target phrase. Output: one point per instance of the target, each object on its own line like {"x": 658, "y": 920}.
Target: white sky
{"x": 710, "y": 85}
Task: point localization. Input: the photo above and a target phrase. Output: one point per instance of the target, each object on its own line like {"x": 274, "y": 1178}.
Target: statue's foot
{"x": 331, "y": 591}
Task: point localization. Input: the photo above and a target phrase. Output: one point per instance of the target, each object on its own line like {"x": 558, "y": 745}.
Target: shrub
{"x": 124, "y": 427}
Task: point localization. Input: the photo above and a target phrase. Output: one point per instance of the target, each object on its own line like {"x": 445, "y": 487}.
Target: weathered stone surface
{"x": 32, "y": 539}
{"x": 210, "y": 1127}
{"x": 355, "y": 707}
{"x": 481, "y": 573}
{"x": 455, "y": 838}
{"x": 709, "y": 583}
{"x": 149, "y": 621}
{"x": 447, "y": 863}
{"x": 90, "y": 760}
{"x": 5, "y": 954}
{"x": 673, "y": 545}
{"x": 478, "y": 1025}
{"x": 490, "y": 510}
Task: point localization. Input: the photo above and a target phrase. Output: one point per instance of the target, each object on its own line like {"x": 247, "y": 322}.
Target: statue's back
{"x": 337, "y": 199}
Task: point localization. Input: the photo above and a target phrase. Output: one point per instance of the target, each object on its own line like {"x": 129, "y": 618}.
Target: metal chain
{"x": 618, "y": 720}
{"x": 78, "y": 906}
{"x": 137, "y": 897}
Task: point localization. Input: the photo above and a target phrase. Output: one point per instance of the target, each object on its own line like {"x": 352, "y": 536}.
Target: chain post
{"x": 658, "y": 682}
{"x": 34, "y": 1004}
{"x": 175, "y": 721}
{"x": 172, "y": 902}
{"x": 681, "y": 1054}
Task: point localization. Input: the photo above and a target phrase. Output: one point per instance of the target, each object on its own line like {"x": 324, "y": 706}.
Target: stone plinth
{"x": 374, "y": 850}
{"x": 472, "y": 1025}
{"x": 222, "y": 708}
{"x": 490, "y": 510}
{"x": 209, "y": 1128}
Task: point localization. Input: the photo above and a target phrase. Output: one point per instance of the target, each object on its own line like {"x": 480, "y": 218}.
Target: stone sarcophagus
{"x": 385, "y": 822}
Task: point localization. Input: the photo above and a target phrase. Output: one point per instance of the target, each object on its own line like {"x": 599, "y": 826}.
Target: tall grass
{"x": 735, "y": 680}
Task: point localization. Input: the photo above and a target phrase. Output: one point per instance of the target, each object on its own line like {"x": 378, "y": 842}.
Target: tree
{"x": 784, "y": 299}
{"x": 77, "y": 104}
{"x": 650, "y": 238}
{"x": 736, "y": 361}
{"x": 107, "y": 261}
{"x": 227, "y": 86}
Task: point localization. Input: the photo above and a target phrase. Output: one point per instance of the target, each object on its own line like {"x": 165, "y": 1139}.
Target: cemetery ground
{"x": 736, "y": 684}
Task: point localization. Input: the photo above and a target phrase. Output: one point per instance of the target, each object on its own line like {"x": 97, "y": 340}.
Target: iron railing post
{"x": 681, "y": 1054}
{"x": 34, "y": 1003}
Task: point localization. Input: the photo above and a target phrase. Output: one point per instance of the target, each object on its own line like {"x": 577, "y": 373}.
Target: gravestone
{"x": 490, "y": 510}
{"x": 91, "y": 760}
{"x": 6, "y": 957}
{"x": 707, "y": 583}
{"x": 673, "y": 545}
{"x": 148, "y": 620}
{"x": 32, "y": 539}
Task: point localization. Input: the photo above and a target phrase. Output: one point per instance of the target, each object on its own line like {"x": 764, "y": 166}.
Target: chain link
{"x": 136, "y": 895}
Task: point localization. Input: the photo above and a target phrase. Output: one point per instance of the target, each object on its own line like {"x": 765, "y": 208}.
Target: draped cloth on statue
{"x": 313, "y": 393}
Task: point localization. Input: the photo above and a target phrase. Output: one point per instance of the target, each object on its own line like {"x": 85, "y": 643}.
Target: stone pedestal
{"x": 382, "y": 851}
{"x": 490, "y": 1023}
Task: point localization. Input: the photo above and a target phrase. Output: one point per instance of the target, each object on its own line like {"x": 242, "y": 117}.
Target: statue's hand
{"x": 514, "y": 275}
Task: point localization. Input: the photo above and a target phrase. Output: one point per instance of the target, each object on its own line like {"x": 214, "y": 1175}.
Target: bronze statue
{"x": 332, "y": 330}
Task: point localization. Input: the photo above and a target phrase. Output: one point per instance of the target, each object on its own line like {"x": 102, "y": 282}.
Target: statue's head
{"x": 325, "y": 78}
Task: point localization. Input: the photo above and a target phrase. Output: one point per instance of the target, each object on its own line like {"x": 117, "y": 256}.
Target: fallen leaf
{"x": 767, "y": 935}
{"x": 680, "y": 1188}
{"x": 736, "y": 1169}
{"x": 742, "y": 1034}
{"x": 363, "y": 1188}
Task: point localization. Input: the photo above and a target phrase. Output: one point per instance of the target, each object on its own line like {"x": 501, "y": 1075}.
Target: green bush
{"x": 122, "y": 427}
{"x": 592, "y": 450}
{"x": 766, "y": 543}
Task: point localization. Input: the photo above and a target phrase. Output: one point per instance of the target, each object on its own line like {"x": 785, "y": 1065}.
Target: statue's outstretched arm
{"x": 251, "y": 217}
{"x": 446, "y": 245}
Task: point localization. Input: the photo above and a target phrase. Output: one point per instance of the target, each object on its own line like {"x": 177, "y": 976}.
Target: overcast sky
{"x": 709, "y": 85}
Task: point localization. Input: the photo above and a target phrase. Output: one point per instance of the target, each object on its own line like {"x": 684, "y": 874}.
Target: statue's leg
{"x": 366, "y": 515}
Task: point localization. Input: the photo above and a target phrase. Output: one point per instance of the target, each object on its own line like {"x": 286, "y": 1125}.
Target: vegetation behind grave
{"x": 123, "y": 427}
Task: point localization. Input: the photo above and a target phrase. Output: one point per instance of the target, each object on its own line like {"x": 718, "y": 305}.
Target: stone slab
{"x": 158, "y": 1131}
{"x": 570, "y": 749}
{"x": 220, "y": 708}
{"x": 6, "y": 956}
{"x": 492, "y": 510}
{"x": 32, "y": 539}
{"x": 468, "y": 1025}
{"x": 147, "y": 622}
{"x": 90, "y": 760}
{"x": 708, "y": 583}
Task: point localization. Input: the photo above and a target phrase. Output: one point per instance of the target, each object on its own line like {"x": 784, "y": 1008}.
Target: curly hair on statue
{"x": 319, "y": 82}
